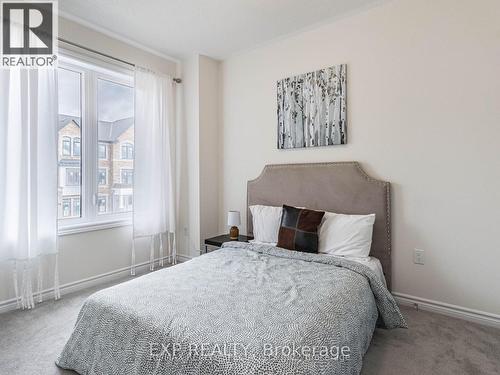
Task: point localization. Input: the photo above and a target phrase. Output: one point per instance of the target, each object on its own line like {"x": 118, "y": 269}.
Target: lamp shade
{"x": 233, "y": 218}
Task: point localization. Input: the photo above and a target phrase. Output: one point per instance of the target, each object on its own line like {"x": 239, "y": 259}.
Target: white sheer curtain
{"x": 28, "y": 178}
{"x": 154, "y": 169}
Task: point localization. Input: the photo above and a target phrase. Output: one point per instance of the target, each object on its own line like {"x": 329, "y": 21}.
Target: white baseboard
{"x": 475, "y": 316}
{"x": 141, "y": 268}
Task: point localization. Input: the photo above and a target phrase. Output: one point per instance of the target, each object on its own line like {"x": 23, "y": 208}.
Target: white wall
{"x": 89, "y": 254}
{"x": 209, "y": 97}
{"x": 202, "y": 106}
{"x": 423, "y": 102}
{"x": 191, "y": 99}
{"x": 91, "y": 38}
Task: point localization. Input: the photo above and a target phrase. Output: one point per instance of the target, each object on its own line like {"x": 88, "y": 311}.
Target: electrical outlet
{"x": 418, "y": 256}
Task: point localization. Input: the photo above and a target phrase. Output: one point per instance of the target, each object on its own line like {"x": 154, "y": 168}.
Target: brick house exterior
{"x": 115, "y": 166}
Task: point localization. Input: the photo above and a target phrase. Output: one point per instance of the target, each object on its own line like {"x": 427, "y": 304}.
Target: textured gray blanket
{"x": 243, "y": 309}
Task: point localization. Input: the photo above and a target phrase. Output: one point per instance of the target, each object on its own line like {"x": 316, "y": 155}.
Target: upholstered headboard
{"x": 341, "y": 187}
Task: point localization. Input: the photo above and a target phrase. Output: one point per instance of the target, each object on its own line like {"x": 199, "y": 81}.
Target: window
{"x": 66, "y": 208}
{"x": 124, "y": 203}
{"x": 103, "y": 151}
{"x": 76, "y": 207}
{"x": 72, "y": 176}
{"x": 103, "y": 176}
{"x": 127, "y": 176}
{"x": 66, "y": 146}
{"x": 127, "y": 151}
{"x": 71, "y": 207}
{"x": 115, "y": 128}
{"x": 91, "y": 135}
{"x": 76, "y": 146}
{"x": 69, "y": 132}
{"x": 102, "y": 204}
{"x": 127, "y": 202}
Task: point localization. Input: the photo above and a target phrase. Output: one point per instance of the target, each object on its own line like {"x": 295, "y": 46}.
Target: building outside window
{"x": 70, "y": 134}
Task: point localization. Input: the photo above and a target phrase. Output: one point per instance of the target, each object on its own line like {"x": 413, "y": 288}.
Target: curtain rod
{"x": 176, "y": 80}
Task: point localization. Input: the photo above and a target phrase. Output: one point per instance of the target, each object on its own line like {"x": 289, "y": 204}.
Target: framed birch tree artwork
{"x": 312, "y": 109}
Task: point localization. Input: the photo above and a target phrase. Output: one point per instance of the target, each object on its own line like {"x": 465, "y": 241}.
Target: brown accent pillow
{"x": 299, "y": 229}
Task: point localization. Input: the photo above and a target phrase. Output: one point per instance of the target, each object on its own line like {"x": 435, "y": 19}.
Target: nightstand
{"x": 219, "y": 240}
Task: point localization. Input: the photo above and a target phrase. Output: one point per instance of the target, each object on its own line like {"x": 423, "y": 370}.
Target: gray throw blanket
{"x": 243, "y": 309}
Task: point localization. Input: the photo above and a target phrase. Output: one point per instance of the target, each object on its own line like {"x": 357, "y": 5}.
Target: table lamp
{"x": 233, "y": 220}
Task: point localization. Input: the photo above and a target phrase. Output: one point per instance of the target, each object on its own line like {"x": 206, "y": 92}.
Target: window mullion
{"x": 90, "y": 158}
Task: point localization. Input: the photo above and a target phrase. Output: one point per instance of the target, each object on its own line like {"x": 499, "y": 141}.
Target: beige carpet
{"x": 31, "y": 340}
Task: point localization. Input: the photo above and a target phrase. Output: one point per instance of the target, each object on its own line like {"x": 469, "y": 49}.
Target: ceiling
{"x": 216, "y": 28}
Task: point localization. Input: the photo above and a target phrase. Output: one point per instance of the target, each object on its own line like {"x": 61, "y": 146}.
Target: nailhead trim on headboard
{"x": 388, "y": 248}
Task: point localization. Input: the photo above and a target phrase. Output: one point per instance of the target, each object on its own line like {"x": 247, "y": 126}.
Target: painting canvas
{"x": 312, "y": 109}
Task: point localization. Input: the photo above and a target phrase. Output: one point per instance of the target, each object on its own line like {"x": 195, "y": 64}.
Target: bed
{"x": 250, "y": 308}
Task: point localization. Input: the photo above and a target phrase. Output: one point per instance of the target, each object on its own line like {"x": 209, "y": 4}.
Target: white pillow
{"x": 266, "y": 223}
{"x": 346, "y": 235}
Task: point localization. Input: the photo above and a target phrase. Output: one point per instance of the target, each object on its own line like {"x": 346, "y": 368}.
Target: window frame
{"x": 127, "y": 196}
{"x": 66, "y": 202}
{"x": 90, "y": 219}
{"x": 127, "y": 170}
{"x": 105, "y": 150}
{"x": 75, "y": 200}
{"x": 128, "y": 146}
{"x": 105, "y": 198}
{"x": 75, "y": 140}
{"x": 68, "y": 170}
{"x": 106, "y": 172}
{"x": 65, "y": 139}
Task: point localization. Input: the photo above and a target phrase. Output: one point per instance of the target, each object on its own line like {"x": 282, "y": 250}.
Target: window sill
{"x": 65, "y": 230}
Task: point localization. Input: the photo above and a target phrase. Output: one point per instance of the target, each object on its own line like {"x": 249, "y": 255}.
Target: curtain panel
{"x": 28, "y": 178}
{"x": 155, "y": 175}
